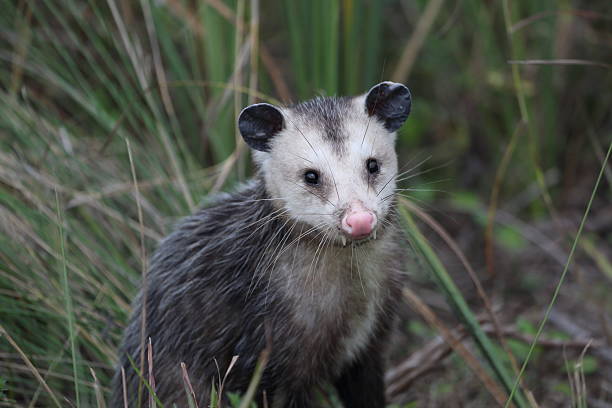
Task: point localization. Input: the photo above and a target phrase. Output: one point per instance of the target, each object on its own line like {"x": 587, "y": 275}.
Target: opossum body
{"x": 303, "y": 260}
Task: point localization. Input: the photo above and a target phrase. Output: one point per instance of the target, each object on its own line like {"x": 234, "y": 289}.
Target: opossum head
{"x": 330, "y": 163}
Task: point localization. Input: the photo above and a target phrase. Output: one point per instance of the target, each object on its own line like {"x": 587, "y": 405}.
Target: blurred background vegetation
{"x": 511, "y": 122}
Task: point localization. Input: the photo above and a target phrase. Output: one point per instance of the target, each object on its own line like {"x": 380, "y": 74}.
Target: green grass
{"x": 69, "y": 307}
{"x": 80, "y": 78}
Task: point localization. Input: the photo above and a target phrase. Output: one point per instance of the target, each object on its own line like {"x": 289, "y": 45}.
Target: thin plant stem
{"x": 68, "y": 303}
{"x": 561, "y": 279}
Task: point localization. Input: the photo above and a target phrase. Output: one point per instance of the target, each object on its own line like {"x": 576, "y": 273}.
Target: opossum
{"x": 303, "y": 261}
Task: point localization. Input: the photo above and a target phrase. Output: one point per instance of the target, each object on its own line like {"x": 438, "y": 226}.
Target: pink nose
{"x": 358, "y": 222}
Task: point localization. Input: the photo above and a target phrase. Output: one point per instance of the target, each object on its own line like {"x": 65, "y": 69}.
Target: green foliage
{"x": 589, "y": 365}
{"x": 417, "y": 328}
{"x": 510, "y": 238}
{"x": 520, "y": 350}
{"x": 3, "y": 387}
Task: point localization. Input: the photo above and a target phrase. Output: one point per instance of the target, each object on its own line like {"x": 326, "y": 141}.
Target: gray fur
{"x": 328, "y": 115}
{"x": 238, "y": 276}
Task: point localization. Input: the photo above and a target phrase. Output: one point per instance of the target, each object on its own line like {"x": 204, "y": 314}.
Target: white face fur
{"x": 347, "y": 151}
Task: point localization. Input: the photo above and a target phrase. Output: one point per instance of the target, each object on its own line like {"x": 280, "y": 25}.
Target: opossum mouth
{"x": 344, "y": 242}
{"x": 360, "y": 242}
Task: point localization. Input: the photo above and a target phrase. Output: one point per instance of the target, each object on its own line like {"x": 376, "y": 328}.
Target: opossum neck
{"x": 333, "y": 282}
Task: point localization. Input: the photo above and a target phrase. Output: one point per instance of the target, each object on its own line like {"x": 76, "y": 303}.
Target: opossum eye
{"x": 372, "y": 166}
{"x": 311, "y": 177}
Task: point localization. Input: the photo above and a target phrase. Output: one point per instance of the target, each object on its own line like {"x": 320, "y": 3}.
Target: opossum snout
{"x": 357, "y": 221}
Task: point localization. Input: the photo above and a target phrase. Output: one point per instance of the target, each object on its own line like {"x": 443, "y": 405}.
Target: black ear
{"x": 390, "y": 102}
{"x": 259, "y": 123}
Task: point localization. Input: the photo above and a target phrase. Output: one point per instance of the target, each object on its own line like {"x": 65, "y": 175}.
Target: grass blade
{"x": 68, "y": 304}
{"x": 30, "y": 366}
{"x": 562, "y": 277}
{"x": 459, "y": 305}
{"x": 259, "y": 368}
{"x": 456, "y": 344}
